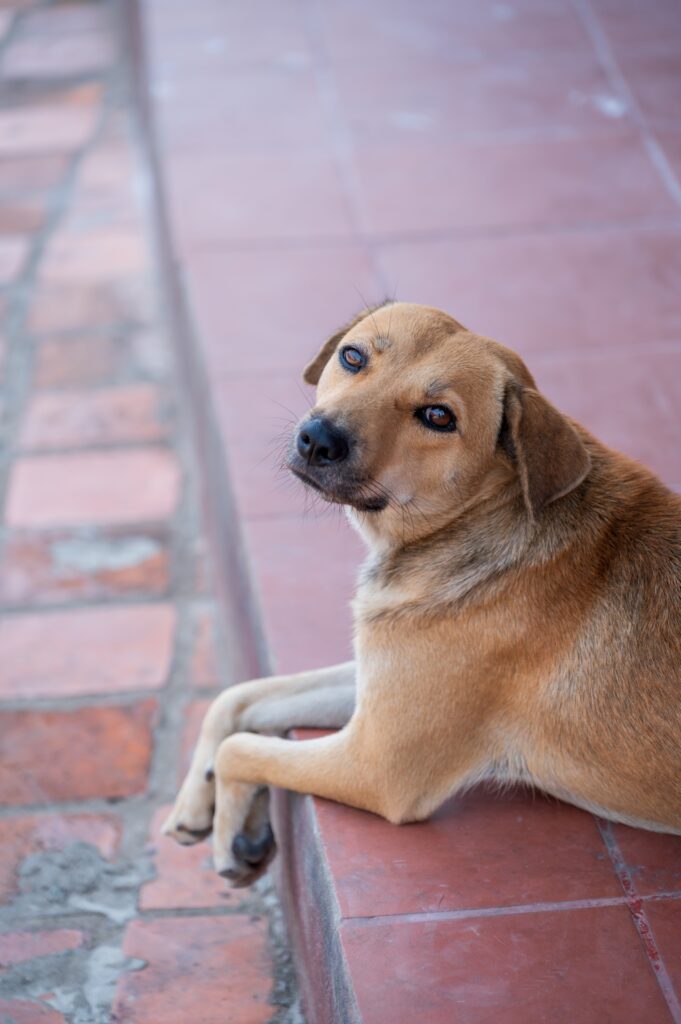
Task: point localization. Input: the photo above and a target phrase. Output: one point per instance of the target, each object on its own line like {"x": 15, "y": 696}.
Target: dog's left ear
{"x": 313, "y": 370}
{"x": 546, "y": 448}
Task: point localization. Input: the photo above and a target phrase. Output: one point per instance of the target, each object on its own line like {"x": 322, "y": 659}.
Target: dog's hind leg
{"x": 322, "y": 698}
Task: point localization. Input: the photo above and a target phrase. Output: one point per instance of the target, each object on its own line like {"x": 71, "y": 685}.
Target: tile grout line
{"x": 473, "y": 913}
{"x": 612, "y": 68}
{"x": 635, "y": 904}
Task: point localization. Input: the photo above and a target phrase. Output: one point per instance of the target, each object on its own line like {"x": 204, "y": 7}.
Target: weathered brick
{"x": 75, "y": 362}
{"x": 212, "y": 969}
{"x": 82, "y": 418}
{"x": 185, "y": 876}
{"x": 62, "y": 125}
{"x": 95, "y": 257}
{"x": 40, "y": 57}
{"x": 93, "y": 488}
{"x": 18, "y": 946}
{"x": 61, "y": 566}
{"x": 31, "y": 174}
{"x": 38, "y": 833}
{"x": 81, "y": 306}
{"x": 75, "y": 755}
{"x": 86, "y": 651}
{"x": 19, "y": 1011}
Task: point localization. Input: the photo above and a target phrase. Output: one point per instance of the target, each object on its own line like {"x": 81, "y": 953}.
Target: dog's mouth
{"x": 353, "y": 493}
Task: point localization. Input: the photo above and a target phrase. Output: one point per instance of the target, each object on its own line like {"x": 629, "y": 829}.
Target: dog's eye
{"x": 437, "y": 417}
{"x": 352, "y": 359}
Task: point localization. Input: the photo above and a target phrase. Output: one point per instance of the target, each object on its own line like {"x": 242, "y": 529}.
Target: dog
{"x": 518, "y": 617}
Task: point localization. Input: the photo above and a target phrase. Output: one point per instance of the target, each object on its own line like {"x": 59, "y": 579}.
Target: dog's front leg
{"x": 334, "y": 766}
{"x": 323, "y": 698}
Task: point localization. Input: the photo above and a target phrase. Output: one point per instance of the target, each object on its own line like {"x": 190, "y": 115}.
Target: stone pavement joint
{"x": 109, "y": 628}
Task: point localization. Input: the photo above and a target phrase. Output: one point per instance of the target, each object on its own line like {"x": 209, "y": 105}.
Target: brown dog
{"x": 518, "y": 617}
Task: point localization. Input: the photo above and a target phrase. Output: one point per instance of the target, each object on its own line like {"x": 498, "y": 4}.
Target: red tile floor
{"x": 518, "y": 164}
{"x": 109, "y": 631}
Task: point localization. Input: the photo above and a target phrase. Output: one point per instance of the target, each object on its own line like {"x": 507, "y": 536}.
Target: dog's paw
{"x": 248, "y": 858}
{"x": 191, "y": 819}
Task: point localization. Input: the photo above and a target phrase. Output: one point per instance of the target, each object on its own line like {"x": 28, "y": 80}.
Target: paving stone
{"x": 93, "y": 488}
{"x": 653, "y": 859}
{"x": 103, "y": 417}
{"x": 57, "y": 127}
{"x": 185, "y": 877}
{"x": 35, "y": 174}
{"x": 81, "y": 306}
{"x": 76, "y": 362}
{"x": 19, "y": 216}
{"x": 18, "y": 946}
{"x": 665, "y": 921}
{"x": 75, "y": 755}
{"x": 93, "y": 258}
{"x": 47, "y": 832}
{"x": 86, "y": 651}
{"x": 63, "y": 566}
{"x": 193, "y": 717}
{"x": 20, "y": 1011}
{"x": 216, "y": 966}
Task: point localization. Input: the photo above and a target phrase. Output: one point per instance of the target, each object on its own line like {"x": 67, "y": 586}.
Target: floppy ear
{"x": 313, "y": 370}
{"x": 547, "y": 450}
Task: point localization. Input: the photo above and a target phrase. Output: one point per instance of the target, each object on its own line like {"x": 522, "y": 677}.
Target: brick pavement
{"x": 109, "y": 642}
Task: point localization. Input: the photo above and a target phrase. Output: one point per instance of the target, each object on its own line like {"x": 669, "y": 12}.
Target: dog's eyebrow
{"x": 380, "y": 344}
{"x": 436, "y": 388}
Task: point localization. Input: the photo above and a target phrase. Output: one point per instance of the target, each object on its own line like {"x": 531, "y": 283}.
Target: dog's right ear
{"x": 547, "y": 450}
{"x": 313, "y": 370}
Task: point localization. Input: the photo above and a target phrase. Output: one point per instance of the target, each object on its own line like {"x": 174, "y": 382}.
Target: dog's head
{"x": 417, "y": 419}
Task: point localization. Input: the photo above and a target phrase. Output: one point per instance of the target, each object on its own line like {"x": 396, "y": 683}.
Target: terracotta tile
{"x": 83, "y": 418}
{"x": 639, "y": 25}
{"x": 185, "y": 877}
{"x": 36, "y": 833}
{"x": 62, "y": 566}
{"x": 359, "y": 31}
{"x": 93, "y": 488}
{"x": 671, "y": 144}
{"x": 257, "y": 445}
{"x": 585, "y": 965}
{"x": 204, "y": 669}
{"x": 595, "y": 389}
{"x": 551, "y": 293}
{"x": 18, "y": 946}
{"x": 305, "y": 572}
{"x": 665, "y": 920}
{"x": 219, "y": 964}
{"x": 101, "y": 752}
{"x": 254, "y": 314}
{"x": 126, "y": 648}
{"x": 19, "y": 1011}
{"x": 552, "y": 183}
{"x": 77, "y": 362}
{"x": 655, "y": 80}
{"x": 518, "y": 95}
{"x": 262, "y": 197}
{"x": 480, "y": 850}
{"x": 260, "y": 109}
{"x": 32, "y": 174}
{"x": 79, "y": 306}
{"x": 653, "y": 859}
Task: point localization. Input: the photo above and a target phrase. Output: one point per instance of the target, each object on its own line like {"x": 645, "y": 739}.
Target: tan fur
{"x": 518, "y": 616}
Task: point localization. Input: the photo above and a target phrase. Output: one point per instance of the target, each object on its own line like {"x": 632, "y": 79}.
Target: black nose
{"x": 320, "y": 443}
